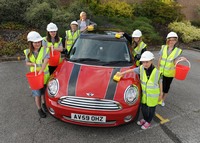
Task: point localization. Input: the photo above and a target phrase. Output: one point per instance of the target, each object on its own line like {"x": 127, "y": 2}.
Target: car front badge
{"x": 89, "y": 94}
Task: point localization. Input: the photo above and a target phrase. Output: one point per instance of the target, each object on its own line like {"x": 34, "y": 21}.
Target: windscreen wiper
{"x": 84, "y": 59}
{"x": 116, "y": 62}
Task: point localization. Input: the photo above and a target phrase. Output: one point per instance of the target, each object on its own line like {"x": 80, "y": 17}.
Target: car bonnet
{"x": 93, "y": 81}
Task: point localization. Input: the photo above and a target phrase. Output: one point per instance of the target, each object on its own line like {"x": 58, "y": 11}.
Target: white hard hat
{"x": 147, "y": 56}
{"x": 34, "y": 36}
{"x": 52, "y": 27}
{"x": 74, "y": 22}
{"x": 137, "y": 33}
{"x": 172, "y": 35}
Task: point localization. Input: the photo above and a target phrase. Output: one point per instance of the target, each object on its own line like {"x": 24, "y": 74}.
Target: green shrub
{"x": 10, "y": 48}
{"x": 158, "y": 11}
{"x": 75, "y": 8}
{"x": 53, "y": 3}
{"x": 11, "y": 10}
{"x": 186, "y": 31}
{"x": 196, "y": 23}
{"x": 167, "y": 1}
{"x": 17, "y": 10}
{"x": 128, "y": 25}
{"x": 39, "y": 15}
{"x": 2, "y": 44}
{"x": 60, "y": 15}
{"x": 198, "y": 10}
{"x": 149, "y": 33}
{"x": 61, "y": 18}
{"x": 12, "y": 25}
{"x": 112, "y": 8}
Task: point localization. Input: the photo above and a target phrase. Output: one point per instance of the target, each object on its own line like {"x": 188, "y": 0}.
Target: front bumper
{"x": 113, "y": 118}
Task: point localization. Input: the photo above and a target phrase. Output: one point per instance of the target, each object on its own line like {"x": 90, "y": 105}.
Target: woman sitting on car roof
{"x": 84, "y": 23}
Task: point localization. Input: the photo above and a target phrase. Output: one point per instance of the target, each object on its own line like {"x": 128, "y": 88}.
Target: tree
{"x": 13, "y": 10}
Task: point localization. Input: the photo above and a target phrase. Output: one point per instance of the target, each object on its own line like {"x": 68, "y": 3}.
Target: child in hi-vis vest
{"x": 38, "y": 56}
{"x": 169, "y": 55}
{"x": 71, "y": 35}
{"x": 151, "y": 87}
{"x": 138, "y": 47}
{"x": 53, "y": 42}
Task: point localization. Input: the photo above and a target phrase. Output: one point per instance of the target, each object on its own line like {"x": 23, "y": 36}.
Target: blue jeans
{"x": 38, "y": 92}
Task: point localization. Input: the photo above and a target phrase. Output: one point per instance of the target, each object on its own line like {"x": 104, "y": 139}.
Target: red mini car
{"x": 82, "y": 90}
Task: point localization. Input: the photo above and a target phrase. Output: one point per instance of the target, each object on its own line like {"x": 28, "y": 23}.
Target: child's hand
{"x": 120, "y": 74}
{"x": 33, "y": 64}
{"x": 52, "y": 48}
{"x": 121, "y": 33}
{"x": 182, "y": 59}
{"x": 39, "y": 72}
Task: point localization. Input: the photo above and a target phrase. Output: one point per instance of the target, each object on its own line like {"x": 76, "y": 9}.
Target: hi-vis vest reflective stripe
{"x": 55, "y": 45}
{"x": 150, "y": 87}
{"x": 138, "y": 50}
{"x": 167, "y": 67}
{"x": 39, "y": 61}
{"x": 71, "y": 38}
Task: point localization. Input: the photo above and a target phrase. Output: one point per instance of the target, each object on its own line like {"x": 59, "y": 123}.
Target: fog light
{"x": 51, "y": 111}
{"x": 128, "y": 118}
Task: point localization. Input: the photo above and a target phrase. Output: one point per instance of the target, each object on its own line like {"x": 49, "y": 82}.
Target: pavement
{"x": 20, "y": 123}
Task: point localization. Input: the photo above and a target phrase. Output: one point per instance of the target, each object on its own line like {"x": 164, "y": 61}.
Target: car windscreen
{"x": 99, "y": 50}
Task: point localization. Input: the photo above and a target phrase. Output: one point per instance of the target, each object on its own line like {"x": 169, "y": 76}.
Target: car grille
{"x": 89, "y": 103}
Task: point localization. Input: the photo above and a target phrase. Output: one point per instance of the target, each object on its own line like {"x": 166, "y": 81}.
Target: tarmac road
{"x": 20, "y": 123}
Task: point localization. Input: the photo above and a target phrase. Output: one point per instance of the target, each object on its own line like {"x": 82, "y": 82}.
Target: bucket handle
{"x": 180, "y": 60}
{"x": 52, "y": 50}
{"x": 35, "y": 69}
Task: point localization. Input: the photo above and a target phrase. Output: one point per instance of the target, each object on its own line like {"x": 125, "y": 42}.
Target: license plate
{"x": 88, "y": 118}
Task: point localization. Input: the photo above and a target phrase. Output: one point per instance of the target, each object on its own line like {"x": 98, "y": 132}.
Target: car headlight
{"x": 131, "y": 94}
{"x": 53, "y": 87}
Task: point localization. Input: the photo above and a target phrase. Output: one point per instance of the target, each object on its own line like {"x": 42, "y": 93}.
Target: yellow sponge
{"x": 116, "y": 77}
{"x": 117, "y": 35}
{"x": 90, "y": 28}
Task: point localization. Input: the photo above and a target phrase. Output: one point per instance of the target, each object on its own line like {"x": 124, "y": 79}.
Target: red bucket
{"x": 35, "y": 81}
{"x": 182, "y": 70}
{"x": 54, "y": 58}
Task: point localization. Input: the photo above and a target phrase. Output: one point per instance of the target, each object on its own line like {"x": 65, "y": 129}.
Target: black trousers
{"x": 166, "y": 83}
{"x": 148, "y": 112}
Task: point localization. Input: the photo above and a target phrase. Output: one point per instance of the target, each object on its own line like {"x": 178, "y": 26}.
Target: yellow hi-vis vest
{"x": 55, "y": 45}
{"x": 150, "y": 87}
{"x": 167, "y": 67}
{"x": 138, "y": 50}
{"x": 71, "y": 38}
{"x": 39, "y": 61}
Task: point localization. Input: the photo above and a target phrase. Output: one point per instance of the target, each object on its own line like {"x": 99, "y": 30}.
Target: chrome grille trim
{"x": 89, "y": 103}
{"x": 107, "y": 122}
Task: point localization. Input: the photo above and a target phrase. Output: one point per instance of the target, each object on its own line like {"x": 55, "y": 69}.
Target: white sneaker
{"x": 163, "y": 104}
